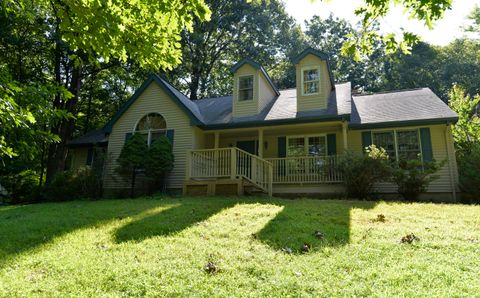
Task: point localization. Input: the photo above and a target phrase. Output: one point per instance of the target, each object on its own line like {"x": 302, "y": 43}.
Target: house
{"x": 277, "y": 141}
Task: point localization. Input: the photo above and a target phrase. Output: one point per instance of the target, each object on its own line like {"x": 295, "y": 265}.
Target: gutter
{"x": 451, "y": 120}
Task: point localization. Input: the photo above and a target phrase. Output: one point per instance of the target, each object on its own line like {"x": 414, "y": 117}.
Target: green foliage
{"x": 159, "y": 161}
{"x": 81, "y": 183}
{"x": 469, "y": 174}
{"x": 466, "y": 132}
{"x": 132, "y": 159}
{"x": 22, "y": 187}
{"x": 361, "y": 171}
{"x": 147, "y": 31}
{"x": 413, "y": 176}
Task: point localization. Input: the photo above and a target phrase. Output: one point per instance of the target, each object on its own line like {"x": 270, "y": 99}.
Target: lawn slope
{"x": 160, "y": 246}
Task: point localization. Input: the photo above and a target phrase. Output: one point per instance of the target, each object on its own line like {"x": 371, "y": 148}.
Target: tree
{"x": 466, "y": 132}
{"x": 92, "y": 35}
{"x": 329, "y": 35}
{"x": 159, "y": 161}
{"x": 132, "y": 159}
{"x": 236, "y": 30}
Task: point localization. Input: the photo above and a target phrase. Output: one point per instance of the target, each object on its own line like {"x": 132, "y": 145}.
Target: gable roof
{"x": 256, "y": 66}
{"x": 183, "y": 102}
{"x": 407, "y": 107}
{"x": 319, "y": 54}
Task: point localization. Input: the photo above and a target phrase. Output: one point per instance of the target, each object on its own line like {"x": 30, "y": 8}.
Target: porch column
{"x": 217, "y": 140}
{"x": 344, "y": 133}
{"x": 260, "y": 142}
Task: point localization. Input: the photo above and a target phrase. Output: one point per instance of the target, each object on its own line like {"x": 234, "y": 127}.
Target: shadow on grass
{"x": 318, "y": 223}
{"x": 186, "y": 213}
{"x": 295, "y": 225}
{"x": 24, "y": 228}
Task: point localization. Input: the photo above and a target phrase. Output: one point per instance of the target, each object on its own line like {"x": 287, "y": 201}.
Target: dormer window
{"x": 245, "y": 88}
{"x": 310, "y": 80}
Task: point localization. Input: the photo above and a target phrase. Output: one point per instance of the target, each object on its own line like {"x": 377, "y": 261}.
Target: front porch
{"x": 266, "y": 160}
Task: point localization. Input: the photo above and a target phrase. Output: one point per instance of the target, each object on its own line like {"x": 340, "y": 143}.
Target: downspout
{"x": 450, "y": 159}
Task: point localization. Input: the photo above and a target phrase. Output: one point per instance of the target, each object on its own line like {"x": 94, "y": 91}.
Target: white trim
{"x": 253, "y": 87}
{"x": 302, "y": 80}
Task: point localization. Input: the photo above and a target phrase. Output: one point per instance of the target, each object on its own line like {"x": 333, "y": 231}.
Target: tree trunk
{"x": 57, "y": 152}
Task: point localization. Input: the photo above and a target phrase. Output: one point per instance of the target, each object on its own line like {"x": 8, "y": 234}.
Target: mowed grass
{"x": 160, "y": 246}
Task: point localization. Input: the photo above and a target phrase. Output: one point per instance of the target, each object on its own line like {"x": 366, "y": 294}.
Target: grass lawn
{"x": 160, "y": 246}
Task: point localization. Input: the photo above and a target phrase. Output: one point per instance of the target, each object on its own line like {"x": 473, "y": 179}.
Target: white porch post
{"x": 215, "y": 154}
{"x": 260, "y": 143}
{"x": 344, "y": 133}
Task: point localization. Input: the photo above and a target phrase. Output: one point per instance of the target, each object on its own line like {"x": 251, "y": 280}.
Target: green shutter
{"x": 169, "y": 135}
{"x": 366, "y": 139}
{"x": 426, "y": 144}
{"x": 332, "y": 144}
{"x": 282, "y": 146}
{"x": 128, "y": 136}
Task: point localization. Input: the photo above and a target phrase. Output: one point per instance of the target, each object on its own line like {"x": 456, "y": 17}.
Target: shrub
{"x": 412, "y": 177}
{"x": 469, "y": 175}
{"x": 361, "y": 171}
{"x": 22, "y": 187}
{"x": 159, "y": 162}
{"x": 83, "y": 182}
{"x": 132, "y": 159}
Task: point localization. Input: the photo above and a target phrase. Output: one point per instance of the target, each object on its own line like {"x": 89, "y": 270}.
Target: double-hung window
{"x": 310, "y": 80}
{"x": 245, "y": 88}
{"x": 399, "y": 144}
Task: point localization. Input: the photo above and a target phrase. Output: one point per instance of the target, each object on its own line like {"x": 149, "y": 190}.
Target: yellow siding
{"x": 153, "y": 99}
{"x": 313, "y": 102}
{"x": 439, "y": 148}
{"x": 265, "y": 92}
{"x": 247, "y": 107}
{"x": 79, "y": 157}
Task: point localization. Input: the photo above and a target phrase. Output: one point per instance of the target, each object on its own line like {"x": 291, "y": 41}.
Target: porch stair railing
{"x": 231, "y": 163}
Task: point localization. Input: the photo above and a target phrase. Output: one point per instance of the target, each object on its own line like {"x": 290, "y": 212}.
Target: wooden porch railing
{"x": 305, "y": 169}
{"x": 230, "y": 163}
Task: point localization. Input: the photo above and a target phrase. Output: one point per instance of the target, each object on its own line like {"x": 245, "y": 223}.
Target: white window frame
{"x": 305, "y": 139}
{"x": 303, "y": 69}
{"x": 253, "y": 88}
{"x": 396, "y": 141}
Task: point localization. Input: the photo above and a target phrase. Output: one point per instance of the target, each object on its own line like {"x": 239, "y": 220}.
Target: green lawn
{"x": 159, "y": 247}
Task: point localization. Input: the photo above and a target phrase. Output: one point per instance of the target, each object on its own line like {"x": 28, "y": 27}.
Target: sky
{"x": 445, "y": 30}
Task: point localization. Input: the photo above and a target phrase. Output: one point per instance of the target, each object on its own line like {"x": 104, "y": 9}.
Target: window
{"x": 408, "y": 144}
{"x": 386, "y": 140}
{"x": 304, "y": 146}
{"x": 310, "y": 81}
{"x": 151, "y": 126}
{"x": 402, "y": 144}
{"x": 245, "y": 88}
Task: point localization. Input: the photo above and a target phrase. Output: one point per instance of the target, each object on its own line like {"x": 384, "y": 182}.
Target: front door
{"x": 244, "y": 163}
{"x": 249, "y": 146}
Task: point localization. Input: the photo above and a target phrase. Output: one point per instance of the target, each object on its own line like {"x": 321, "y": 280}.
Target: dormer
{"x": 313, "y": 79}
{"x": 253, "y": 89}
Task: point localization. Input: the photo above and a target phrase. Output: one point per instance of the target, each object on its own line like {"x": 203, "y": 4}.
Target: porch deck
{"x": 209, "y": 170}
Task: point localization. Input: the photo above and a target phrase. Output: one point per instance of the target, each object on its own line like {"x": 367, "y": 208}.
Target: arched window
{"x": 152, "y": 126}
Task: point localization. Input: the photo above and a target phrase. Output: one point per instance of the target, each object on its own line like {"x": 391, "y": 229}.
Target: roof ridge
{"x": 391, "y": 91}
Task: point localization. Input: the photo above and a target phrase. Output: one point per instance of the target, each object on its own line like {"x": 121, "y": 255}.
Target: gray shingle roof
{"x": 93, "y": 137}
{"x": 414, "y": 106}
